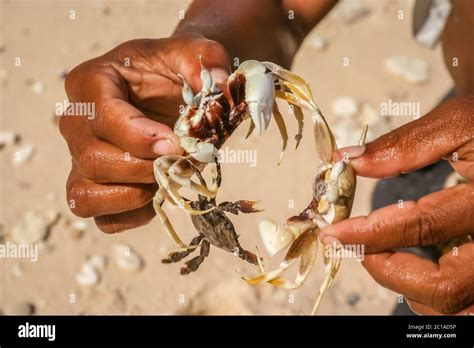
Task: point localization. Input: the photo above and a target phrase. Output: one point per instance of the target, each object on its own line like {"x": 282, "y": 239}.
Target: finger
{"x": 463, "y": 160}
{"x": 153, "y": 75}
{"x": 428, "y": 221}
{"x": 418, "y": 143}
{"x": 121, "y": 124}
{"x": 87, "y": 199}
{"x": 446, "y": 287}
{"x": 115, "y": 120}
{"x": 127, "y": 220}
{"x": 100, "y": 161}
{"x": 421, "y": 309}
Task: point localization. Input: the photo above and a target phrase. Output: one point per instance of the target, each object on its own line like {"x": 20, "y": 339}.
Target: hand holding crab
{"x": 209, "y": 119}
{"x": 136, "y": 96}
{"x": 440, "y": 218}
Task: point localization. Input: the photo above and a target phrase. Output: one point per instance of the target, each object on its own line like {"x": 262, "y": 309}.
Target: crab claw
{"x": 274, "y": 238}
{"x": 247, "y": 207}
{"x": 257, "y": 111}
{"x": 187, "y": 92}
{"x": 259, "y": 92}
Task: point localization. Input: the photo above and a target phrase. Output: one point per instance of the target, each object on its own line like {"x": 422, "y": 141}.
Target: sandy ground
{"x": 50, "y": 43}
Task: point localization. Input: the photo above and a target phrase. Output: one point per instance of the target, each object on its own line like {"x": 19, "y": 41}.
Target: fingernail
{"x": 351, "y": 152}
{"x": 219, "y": 75}
{"x": 164, "y": 147}
{"x": 168, "y": 146}
{"x": 330, "y": 240}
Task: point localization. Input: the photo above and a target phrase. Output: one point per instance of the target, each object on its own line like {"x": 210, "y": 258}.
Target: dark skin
{"x": 112, "y": 178}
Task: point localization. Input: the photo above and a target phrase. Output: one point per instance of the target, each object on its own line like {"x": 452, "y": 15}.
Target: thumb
{"x": 197, "y": 52}
{"x": 415, "y": 144}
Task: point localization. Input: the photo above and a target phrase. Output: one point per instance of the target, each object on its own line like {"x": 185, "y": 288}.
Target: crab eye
{"x": 206, "y": 79}
{"x": 320, "y": 189}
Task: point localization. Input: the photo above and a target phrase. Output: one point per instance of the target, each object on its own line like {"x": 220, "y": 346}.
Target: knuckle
{"x": 447, "y": 297}
{"x": 108, "y": 225}
{"x": 425, "y": 231}
{"x": 77, "y": 197}
{"x": 143, "y": 196}
{"x": 103, "y": 109}
{"x": 73, "y": 78}
{"x": 63, "y": 127}
{"x": 87, "y": 162}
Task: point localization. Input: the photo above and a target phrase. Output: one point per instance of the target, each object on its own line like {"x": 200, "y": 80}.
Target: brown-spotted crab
{"x": 214, "y": 228}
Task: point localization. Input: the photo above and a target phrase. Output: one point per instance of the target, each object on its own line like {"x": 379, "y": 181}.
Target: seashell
{"x": 412, "y": 70}
{"x": 318, "y": 42}
{"x": 127, "y": 259}
{"x": 24, "y": 154}
{"x": 32, "y": 228}
{"x": 88, "y": 275}
{"x": 8, "y": 138}
{"x": 345, "y": 107}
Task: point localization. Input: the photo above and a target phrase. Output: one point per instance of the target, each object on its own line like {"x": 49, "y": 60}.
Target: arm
{"x": 136, "y": 104}
{"x": 430, "y": 287}
{"x": 250, "y": 29}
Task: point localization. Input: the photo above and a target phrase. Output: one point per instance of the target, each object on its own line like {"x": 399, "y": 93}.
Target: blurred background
{"x": 82, "y": 271}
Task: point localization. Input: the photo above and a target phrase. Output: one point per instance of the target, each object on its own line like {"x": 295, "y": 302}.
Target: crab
{"x": 210, "y": 117}
{"x": 333, "y": 194}
{"x": 214, "y": 228}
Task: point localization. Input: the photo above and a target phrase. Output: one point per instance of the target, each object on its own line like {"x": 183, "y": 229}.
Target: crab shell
{"x": 258, "y": 91}
{"x": 210, "y": 118}
{"x": 320, "y": 213}
{"x": 341, "y": 208}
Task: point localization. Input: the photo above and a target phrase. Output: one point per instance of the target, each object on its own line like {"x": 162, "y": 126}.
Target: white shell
{"x": 80, "y": 225}
{"x": 88, "y": 275}
{"x": 412, "y": 70}
{"x": 24, "y": 154}
{"x": 274, "y": 238}
{"x": 32, "y": 228}
{"x": 7, "y": 138}
{"x": 317, "y": 42}
{"x": 345, "y": 107}
{"x": 127, "y": 259}
{"x": 352, "y": 10}
{"x": 38, "y": 87}
{"x": 98, "y": 262}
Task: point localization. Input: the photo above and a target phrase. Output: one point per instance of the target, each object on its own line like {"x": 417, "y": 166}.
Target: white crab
{"x": 209, "y": 119}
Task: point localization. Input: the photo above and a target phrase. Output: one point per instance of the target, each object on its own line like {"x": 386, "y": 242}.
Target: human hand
{"x": 136, "y": 94}
{"x": 429, "y": 287}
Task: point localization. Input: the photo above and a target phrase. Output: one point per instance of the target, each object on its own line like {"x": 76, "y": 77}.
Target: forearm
{"x": 249, "y": 29}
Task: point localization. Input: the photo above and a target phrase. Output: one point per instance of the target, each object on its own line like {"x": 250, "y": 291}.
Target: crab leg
{"x": 332, "y": 266}
{"x": 160, "y": 196}
{"x": 282, "y": 128}
{"x": 297, "y": 112}
{"x": 181, "y": 171}
{"x": 172, "y": 193}
{"x": 251, "y": 128}
{"x": 179, "y": 255}
{"x": 243, "y": 206}
{"x": 296, "y": 249}
{"x": 306, "y": 262}
{"x": 182, "y": 203}
{"x": 193, "y": 264}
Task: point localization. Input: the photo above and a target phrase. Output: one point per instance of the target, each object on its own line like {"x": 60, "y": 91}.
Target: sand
{"x": 49, "y": 44}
